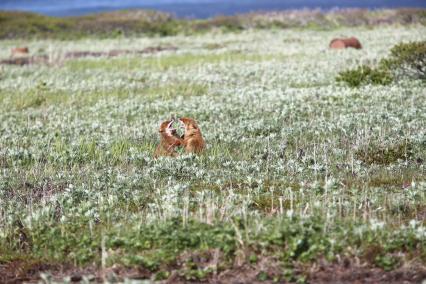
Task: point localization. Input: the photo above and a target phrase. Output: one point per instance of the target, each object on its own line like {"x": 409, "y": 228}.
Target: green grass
{"x": 39, "y": 99}
{"x": 165, "y": 62}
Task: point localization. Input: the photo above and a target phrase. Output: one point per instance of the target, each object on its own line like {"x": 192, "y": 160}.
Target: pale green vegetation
{"x": 299, "y": 168}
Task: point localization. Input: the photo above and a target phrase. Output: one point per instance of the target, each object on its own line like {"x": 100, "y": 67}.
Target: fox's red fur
{"x": 339, "y": 43}
{"x": 19, "y": 51}
{"x": 193, "y": 141}
{"x": 168, "y": 140}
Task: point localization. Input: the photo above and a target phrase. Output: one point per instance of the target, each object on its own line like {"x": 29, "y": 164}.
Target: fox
{"x": 169, "y": 140}
{"x": 193, "y": 141}
{"x": 19, "y": 51}
{"x": 339, "y": 43}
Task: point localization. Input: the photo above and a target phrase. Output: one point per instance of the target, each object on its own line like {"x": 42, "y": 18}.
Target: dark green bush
{"x": 364, "y": 75}
{"x": 225, "y": 23}
{"x": 407, "y": 60}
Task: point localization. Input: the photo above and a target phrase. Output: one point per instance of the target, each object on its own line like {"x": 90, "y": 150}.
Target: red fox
{"x": 168, "y": 140}
{"x": 19, "y": 51}
{"x": 339, "y": 43}
{"x": 192, "y": 138}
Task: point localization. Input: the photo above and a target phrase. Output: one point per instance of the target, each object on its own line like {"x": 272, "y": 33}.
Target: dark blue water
{"x": 194, "y": 8}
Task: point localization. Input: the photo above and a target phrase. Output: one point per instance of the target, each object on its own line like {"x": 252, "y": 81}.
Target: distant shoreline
{"x": 196, "y": 10}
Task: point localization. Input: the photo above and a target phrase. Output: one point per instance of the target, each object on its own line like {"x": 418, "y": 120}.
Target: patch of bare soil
{"x": 117, "y": 52}
{"x": 28, "y": 60}
{"x": 266, "y": 270}
{"x": 363, "y": 274}
{"x": 21, "y": 271}
{"x": 44, "y": 59}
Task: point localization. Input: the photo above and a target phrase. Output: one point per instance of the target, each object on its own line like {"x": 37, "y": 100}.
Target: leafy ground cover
{"x": 302, "y": 175}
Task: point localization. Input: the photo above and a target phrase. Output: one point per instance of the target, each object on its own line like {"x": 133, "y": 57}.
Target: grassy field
{"x": 304, "y": 179}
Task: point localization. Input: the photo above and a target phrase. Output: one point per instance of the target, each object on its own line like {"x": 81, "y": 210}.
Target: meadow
{"x": 304, "y": 179}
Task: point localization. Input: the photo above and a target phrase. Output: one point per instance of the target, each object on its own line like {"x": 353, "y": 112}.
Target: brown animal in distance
{"x": 193, "y": 141}
{"x": 19, "y": 51}
{"x": 340, "y": 43}
{"x": 169, "y": 140}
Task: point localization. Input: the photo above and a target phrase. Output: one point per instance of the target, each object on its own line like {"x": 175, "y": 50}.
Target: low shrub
{"x": 407, "y": 60}
{"x": 364, "y": 74}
